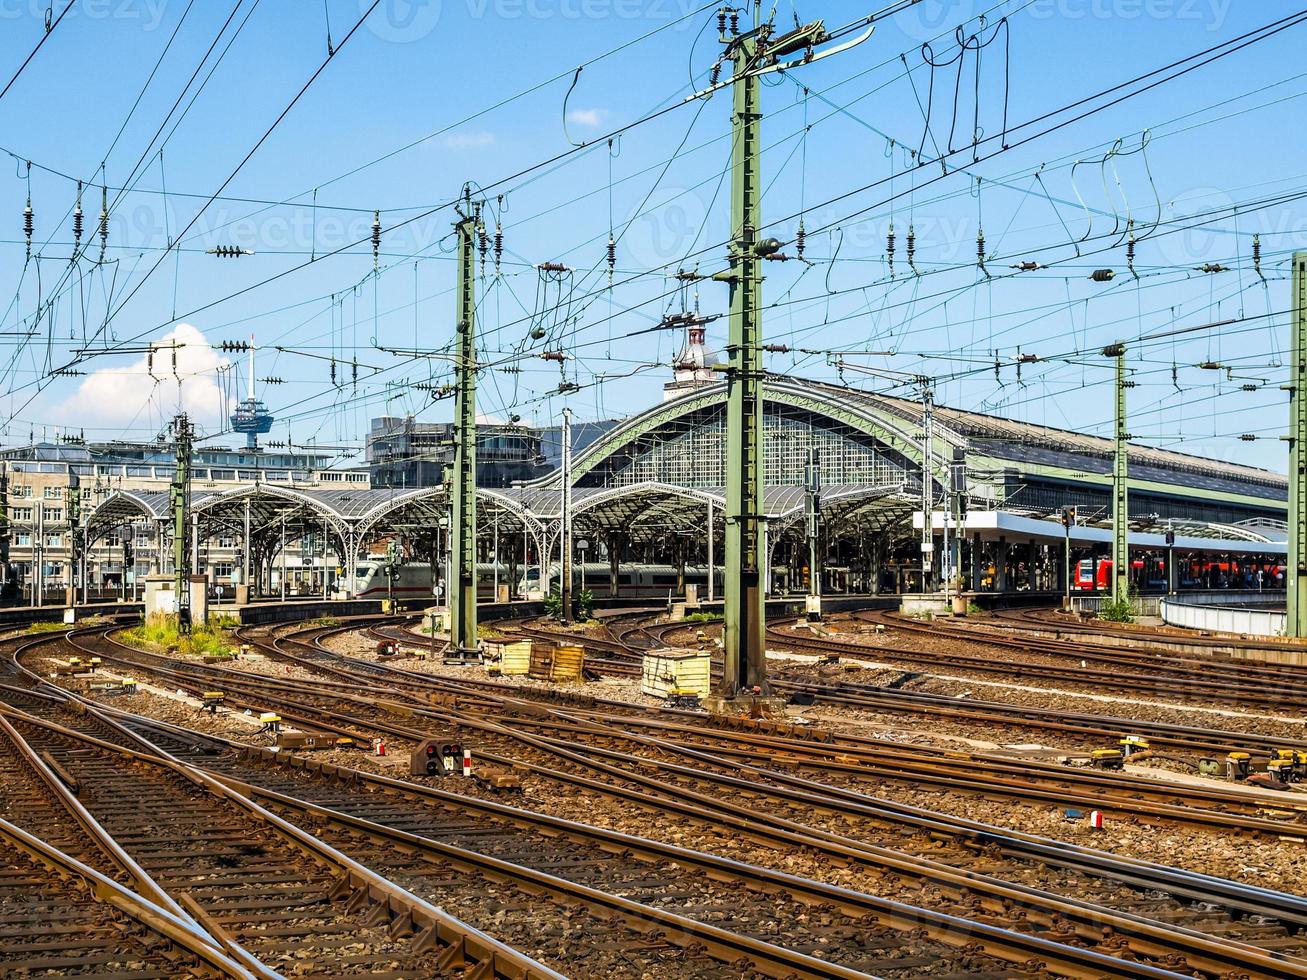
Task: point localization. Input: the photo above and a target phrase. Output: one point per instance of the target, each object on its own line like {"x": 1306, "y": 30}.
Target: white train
{"x": 633, "y": 580}
{"x": 416, "y": 580}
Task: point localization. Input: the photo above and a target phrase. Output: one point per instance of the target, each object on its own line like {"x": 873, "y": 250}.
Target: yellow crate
{"x": 671, "y": 672}
{"x": 562, "y": 662}
{"x": 514, "y": 658}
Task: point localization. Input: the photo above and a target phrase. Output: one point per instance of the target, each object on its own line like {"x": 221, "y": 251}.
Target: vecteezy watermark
{"x": 405, "y": 21}
{"x": 931, "y": 18}
{"x": 148, "y": 13}
{"x": 671, "y": 225}
{"x": 1210, "y": 13}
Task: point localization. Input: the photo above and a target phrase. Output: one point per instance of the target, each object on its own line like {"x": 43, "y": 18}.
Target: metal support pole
{"x": 565, "y": 526}
{"x": 814, "y": 527}
{"x": 1066, "y": 567}
{"x": 744, "y": 631}
{"x": 1120, "y": 474}
{"x": 463, "y": 527}
{"x": 181, "y": 505}
{"x": 283, "y": 559}
{"x": 245, "y": 548}
{"x": 711, "y": 575}
{"x": 38, "y": 555}
{"x": 927, "y": 487}
{"x": 1296, "y": 566}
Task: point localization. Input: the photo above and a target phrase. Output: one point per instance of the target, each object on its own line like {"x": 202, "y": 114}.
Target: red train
{"x": 1193, "y": 573}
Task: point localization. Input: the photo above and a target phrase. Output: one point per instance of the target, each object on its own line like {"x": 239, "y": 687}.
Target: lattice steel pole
{"x": 1296, "y": 566}
{"x": 745, "y": 625}
{"x": 180, "y": 493}
{"x": 1120, "y": 476}
{"x": 463, "y": 529}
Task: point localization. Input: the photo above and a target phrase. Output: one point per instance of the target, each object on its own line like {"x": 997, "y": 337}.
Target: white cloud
{"x": 587, "y": 117}
{"x": 468, "y": 141}
{"x": 127, "y": 395}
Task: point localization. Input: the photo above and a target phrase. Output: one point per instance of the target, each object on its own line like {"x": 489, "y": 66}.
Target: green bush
{"x": 159, "y": 634}
{"x": 1118, "y": 610}
{"x": 553, "y": 604}
{"x": 585, "y": 604}
{"x": 703, "y": 617}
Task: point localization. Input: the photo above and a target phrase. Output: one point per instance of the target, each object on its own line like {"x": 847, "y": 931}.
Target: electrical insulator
{"x": 538, "y": 333}
{"x": 354, "y": 372}
{"x": 376, "y": 239}
{"x": 980, "y": 248}
{"x": 499, "y": 245}
{"x": 1248, "y": 388}
{"x": 1247, "y": 437}
{"x": 912, "y": 248}
{"x": 1213, "y": 267}
{"x": 28, "y": 224}
{"x": 553, "y": 355}
{"x": 483, "y": 245}
{"x": 104, "y": 220}
{"x": 800, "y": 240}
{"x": 1029, "y": 265}
{"x": 715, "y": 75}
{"x": 612, "y": 257}
{"x": 333, "y": 370}
{"x": 77, "y": 219}
{"x": 735, "y": 22}
{"x": 889, "y": 249}
{"x": 1130, "y": 252}
{"x": 1102, "y": 275}
{"x": 1257, "y": 254}
{"x": 721, "y": 21}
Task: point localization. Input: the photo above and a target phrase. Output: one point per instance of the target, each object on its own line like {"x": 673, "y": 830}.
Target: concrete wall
{"x": 1253, "y": 613}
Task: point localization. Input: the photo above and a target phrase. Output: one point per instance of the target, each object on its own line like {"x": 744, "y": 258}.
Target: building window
{"x": 52, "y": 493}
{"x": 23, "y": 491}
{"x": 23, "y": 540}
{"x": 21, "y": 514}
{"x": 54, "y": 540}
{"x": 226, "y": 541}
{"x": 54, "y": 514}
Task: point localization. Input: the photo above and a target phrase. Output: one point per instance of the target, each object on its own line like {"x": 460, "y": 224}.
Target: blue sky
{"x": 459, "y": 90}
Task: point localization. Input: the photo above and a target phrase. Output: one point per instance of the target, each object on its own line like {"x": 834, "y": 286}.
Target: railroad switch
{"x": 387, "y": 648}
{"x": 1297, "y": 759}
{"x": 271, "y": 722}
{"x": 1132, "y": 744}
{"x": 1237, "y": 765}
{"x": 211, "y": 701}
{"x": 1107, "y": 759}
{"x": 93, "y": 663}
{"x": 1281, "y": 770}
{"x": 1209, "y": 767}
{"x": 683, "y": 702}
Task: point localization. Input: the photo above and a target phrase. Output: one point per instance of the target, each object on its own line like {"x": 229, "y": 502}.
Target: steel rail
{"x": 411, "y": 733}
{"x": 179, "y": 931}
{"x": 404, "y": 911}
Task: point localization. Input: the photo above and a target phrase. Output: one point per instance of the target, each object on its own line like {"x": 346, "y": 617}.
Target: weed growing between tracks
{"x": 159, "y": 634}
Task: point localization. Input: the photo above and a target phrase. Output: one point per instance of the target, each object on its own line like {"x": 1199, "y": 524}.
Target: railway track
{"x": 750, "y": 813}
{"x": 860, "y": 908}
{"x": 271, "y": 895}
{"x": 1267, "y": 687}
{"x": 1086, "y": 730}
